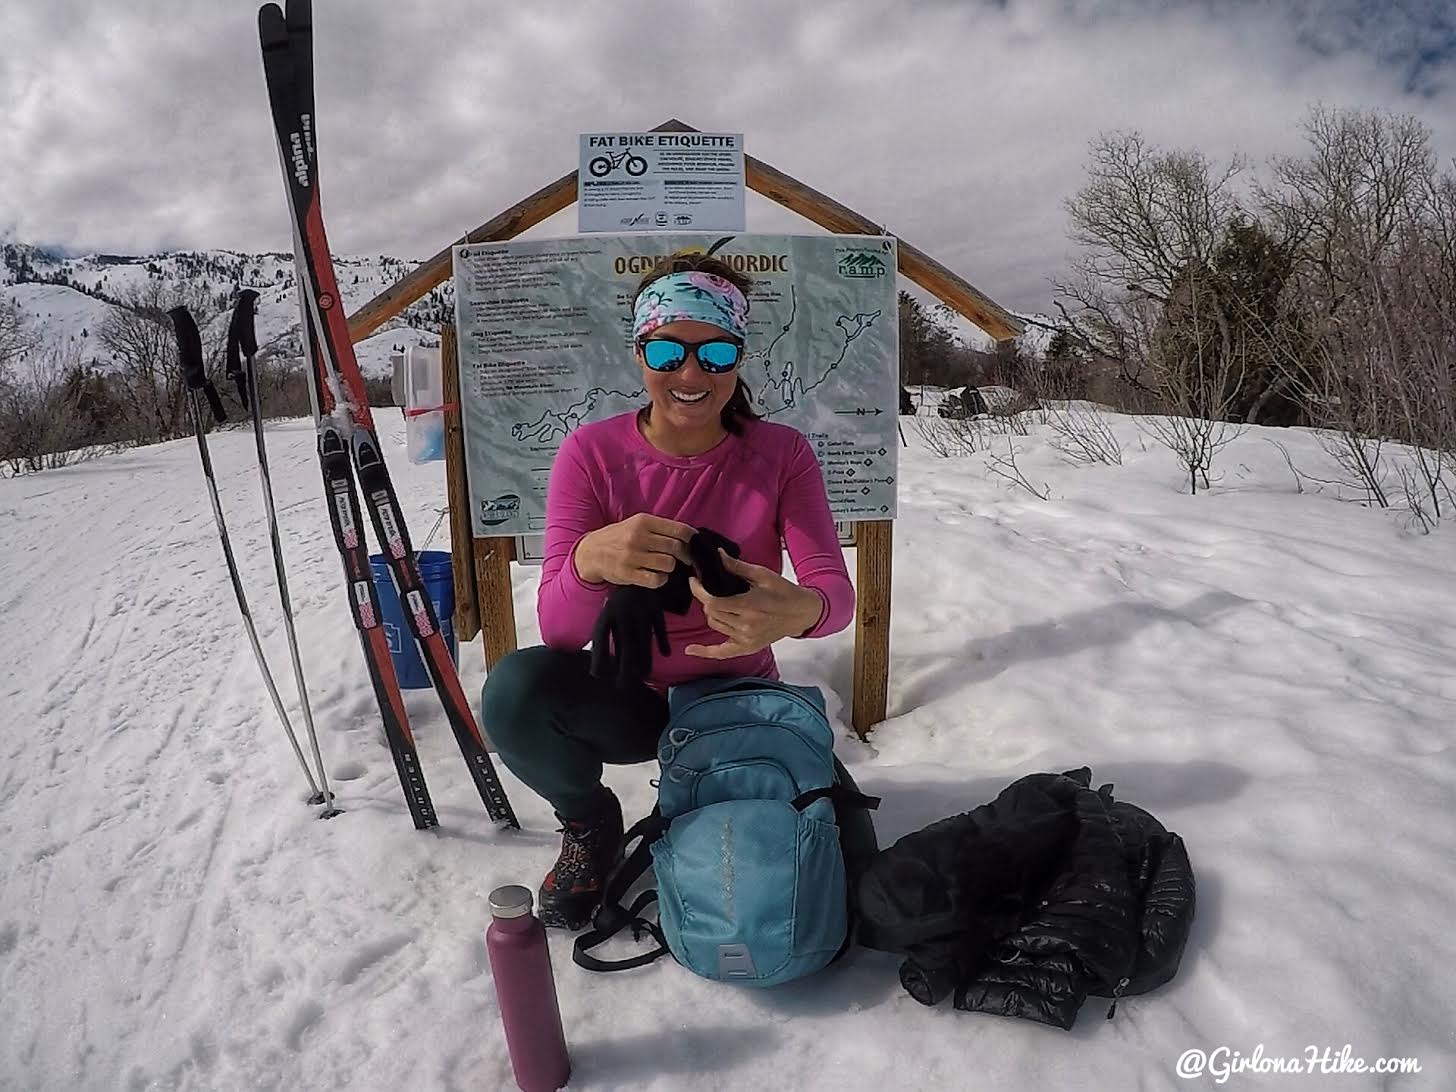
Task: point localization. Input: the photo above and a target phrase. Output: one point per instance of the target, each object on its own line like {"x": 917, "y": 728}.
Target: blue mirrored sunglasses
{"x": 668, "y": 354}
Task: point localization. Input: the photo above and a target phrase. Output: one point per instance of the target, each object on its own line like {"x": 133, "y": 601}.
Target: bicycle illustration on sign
{"x": 608, "y": 162}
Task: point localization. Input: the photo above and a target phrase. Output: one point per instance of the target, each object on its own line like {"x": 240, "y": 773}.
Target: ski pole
{"x": 189, "y": 348}
{"x": 243, "y": 340}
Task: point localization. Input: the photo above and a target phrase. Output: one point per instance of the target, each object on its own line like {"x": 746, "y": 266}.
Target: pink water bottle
{"x": 520, "y": 963}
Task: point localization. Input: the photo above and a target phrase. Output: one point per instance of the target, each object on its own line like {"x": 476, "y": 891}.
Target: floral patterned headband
{"x": 703, "y": 297}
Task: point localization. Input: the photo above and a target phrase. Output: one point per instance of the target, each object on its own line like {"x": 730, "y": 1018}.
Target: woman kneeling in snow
{"x": 625, "y": 499}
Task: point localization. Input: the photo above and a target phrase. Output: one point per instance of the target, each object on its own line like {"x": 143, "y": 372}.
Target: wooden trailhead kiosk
{"x": 483, "y": 599}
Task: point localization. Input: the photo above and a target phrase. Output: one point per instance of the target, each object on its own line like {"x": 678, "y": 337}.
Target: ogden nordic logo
{"x": 862, "y": 265}
{"x": 499, "y": 510}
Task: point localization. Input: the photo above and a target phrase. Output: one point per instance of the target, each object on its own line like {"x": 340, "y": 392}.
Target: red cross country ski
{"x": 348, "y": 443}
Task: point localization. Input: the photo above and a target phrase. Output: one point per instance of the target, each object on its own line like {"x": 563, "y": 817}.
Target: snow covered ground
{"x": 1269, "y": 671}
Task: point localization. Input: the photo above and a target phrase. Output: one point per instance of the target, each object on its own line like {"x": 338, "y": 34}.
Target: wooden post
{"x": 497, "y": 607}
{"x": 873, "y": 541}
{"x": 457, "y": 494}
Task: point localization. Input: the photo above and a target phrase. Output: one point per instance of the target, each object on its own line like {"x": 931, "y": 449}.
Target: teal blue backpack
{"x": 744, "y": 841}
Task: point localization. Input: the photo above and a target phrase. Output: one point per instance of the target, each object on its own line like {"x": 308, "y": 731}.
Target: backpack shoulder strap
{"x": 842, "y": 797}
{"x": 610, "y": 921}
{"x": 612, "y": 917}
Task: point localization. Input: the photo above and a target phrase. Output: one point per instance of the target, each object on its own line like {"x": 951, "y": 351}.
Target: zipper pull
{"x": 1116, "y": 993}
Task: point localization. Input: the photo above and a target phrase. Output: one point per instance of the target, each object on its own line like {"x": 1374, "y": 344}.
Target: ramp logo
{"x": 862, "y": 265}
{"x": 499, "y": 510}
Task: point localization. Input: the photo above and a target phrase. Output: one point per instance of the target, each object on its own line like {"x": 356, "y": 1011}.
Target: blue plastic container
{"x": 439, "y": 582}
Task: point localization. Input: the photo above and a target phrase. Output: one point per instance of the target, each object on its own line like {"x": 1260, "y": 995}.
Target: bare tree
{"x": 1417, "y": 362}
{"x": 15, "y": 338}
{"x": 1198, "y": 366}
{"x": 1344, "y": 203}
{"x": 1005, "y": 466}
{"x": 1369, "y": 337}
{"x": 41, "y": 423}
{"x": 949, "y": 436}
{"x": 282, "y": 386}
{"x": 17, "y": 341}
{"x": 147, "y": 375}
{"x": 1327, "y": 297}
{"x": 1081, "y": 433}
{"x": 1145, "y": 214}
{"x": 1150, "y": 223}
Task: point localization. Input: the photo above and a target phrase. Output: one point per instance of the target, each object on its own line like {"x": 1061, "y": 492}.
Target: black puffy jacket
{"x": 1027, "y": 904}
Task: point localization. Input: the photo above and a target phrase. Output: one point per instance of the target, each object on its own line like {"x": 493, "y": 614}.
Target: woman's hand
{"x": 641, "y": 550}
{"x": 772, "y": 608}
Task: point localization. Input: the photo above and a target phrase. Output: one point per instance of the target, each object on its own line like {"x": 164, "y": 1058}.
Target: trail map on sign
{"x": 545, "y": 346}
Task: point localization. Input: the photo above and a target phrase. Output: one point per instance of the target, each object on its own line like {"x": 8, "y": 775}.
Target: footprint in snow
{"x": 370, "y": 954}
{"x": 303, "y": 1018}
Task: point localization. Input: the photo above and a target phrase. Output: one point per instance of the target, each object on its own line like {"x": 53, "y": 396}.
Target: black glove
{"x": 622, "y": 637}
{"x": 633, "y": 616}
{"x": 716, "y": 580}
{"x": 677, "y": 594}
{"x": 928, "y": 985}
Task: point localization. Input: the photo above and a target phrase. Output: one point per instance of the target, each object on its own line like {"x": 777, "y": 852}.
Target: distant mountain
{"x": 65, "y": 300}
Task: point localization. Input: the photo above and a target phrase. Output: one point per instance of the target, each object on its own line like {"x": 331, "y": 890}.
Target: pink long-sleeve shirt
{"x": 763, "y": 489}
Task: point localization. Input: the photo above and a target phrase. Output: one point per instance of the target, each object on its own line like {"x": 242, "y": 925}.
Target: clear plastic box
{"x": 424, "y": 405}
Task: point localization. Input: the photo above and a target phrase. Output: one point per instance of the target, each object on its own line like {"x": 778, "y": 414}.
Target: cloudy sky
{"x": 963, "y": 126}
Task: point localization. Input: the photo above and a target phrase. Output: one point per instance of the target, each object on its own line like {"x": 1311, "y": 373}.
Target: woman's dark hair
{"x": 687, "y": 261}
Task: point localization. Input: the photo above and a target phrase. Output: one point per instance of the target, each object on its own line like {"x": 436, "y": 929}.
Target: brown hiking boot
{"x": 590, "y": 847}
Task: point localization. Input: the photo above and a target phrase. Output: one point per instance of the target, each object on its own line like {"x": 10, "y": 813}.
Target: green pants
{"x": 555, "y": 725}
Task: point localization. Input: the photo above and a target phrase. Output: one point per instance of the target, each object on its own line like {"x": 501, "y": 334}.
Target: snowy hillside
{"x": 1034, "y": 339}
{"x": 64, "y": 318}
{"x": 71, "y": 311}
{"x": 1267, "y": 669}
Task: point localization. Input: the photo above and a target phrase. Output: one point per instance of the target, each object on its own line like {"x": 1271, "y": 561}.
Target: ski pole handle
{"x": 189, "y": 355}
{"x": 242, "y": 340}
{"x": 243, "y": 316}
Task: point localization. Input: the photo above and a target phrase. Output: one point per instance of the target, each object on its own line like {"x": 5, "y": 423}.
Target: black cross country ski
{"x": 347, "y": 436}
{"x": 342, "y": 500}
